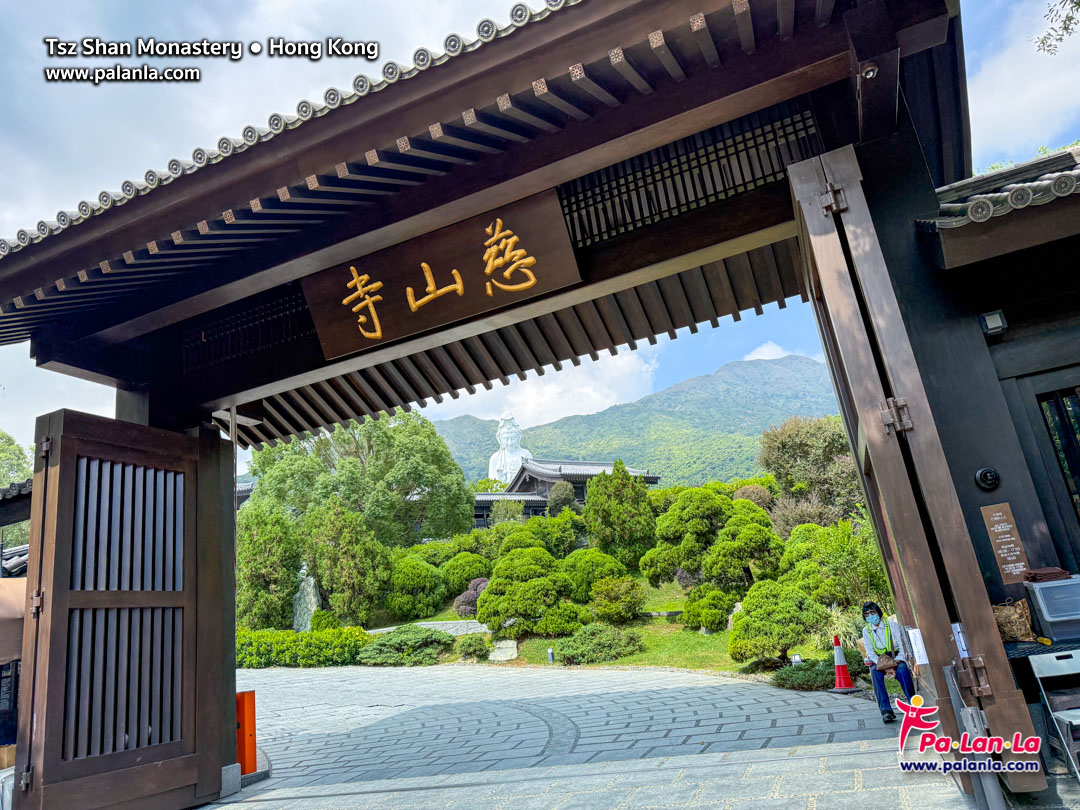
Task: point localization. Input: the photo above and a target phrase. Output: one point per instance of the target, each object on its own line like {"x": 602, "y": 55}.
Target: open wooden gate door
{"x": 110, "y": 654}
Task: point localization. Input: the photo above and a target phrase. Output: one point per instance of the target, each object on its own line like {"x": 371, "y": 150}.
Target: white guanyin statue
{"x": 506, "y": 462}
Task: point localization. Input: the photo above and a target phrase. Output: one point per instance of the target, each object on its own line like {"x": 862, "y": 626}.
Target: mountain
{"x": 702, "y": 429}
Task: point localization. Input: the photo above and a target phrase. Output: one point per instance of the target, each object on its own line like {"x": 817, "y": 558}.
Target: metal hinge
{"x": 44, "y": 447}
{"x": 971, "y": 675}
{"x": 36, "y": 599}
{"x": 26, "y": 778}
{"x": 833, "y": 201}
{"x": 894, "y": 415}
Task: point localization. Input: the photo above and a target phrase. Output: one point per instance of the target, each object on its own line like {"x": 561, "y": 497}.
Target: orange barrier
{"x": 245, "y": 732}
{"x": 843, "y": 677}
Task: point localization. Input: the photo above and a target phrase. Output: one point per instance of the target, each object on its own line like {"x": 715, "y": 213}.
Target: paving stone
{"x": 832, "y": 782}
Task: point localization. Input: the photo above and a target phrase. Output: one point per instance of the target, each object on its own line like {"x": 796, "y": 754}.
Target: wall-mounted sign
{"x": 484, "y": 263}
{"x": 1008, "y": 549}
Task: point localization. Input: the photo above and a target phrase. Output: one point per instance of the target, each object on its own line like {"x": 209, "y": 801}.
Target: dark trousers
{"x": 903, "y": 674}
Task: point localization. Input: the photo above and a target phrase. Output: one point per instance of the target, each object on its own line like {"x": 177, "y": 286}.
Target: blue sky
{"x": 63, "y": 143}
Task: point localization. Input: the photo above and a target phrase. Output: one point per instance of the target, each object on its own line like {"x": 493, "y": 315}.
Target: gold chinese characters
{"x": 433, "y": 293}
{"x": 502, "y": 251}
{"x": 362, "y": 290}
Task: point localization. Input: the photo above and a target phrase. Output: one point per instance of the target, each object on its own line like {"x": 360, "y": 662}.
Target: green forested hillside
{"x": 705, "y": 428}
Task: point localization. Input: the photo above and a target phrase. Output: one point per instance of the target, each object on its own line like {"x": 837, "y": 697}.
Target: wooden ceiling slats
{"x": 556, "y": 338}
{"x": 401, "y": 385}
{"x": 274, "y": 420}
{"x": 699, "y": 29}
{"x": 697, "y": 293}
{"x": 594, "y": 325}
{"x": 419, "y": 381}
{"x": 369, "y": 393}
{"x": 495, "y": 126}
{"x": 465, "y": 139}
{"x": 720, "y": 289}
{"x": 676, "y": 304}
{"x": 435, "y": 374}
{"x": 615, "y": 321}
{"x": 451, "y": 370}
{"x": 487, "y": 364}
{"x": 631, "y": 306}
{"x": 539, "y": 344}
{"x": 299, "y": 423}
{"x": 622, "y": 66}
{"x": 523, "y": 114}
{"x": 665, "y": 55}
{"x": 744, "y": 23}
{"x": 503, "y": 356}
{"x": 334, "y": 400}
{"x": 345, "y": 389}
{"x": 655, "y": 309}
{"x": 785, "y": 18}
{"x": 583, "y": 81}
{"x": 386, "y": 164}
{"x": 469, "y": 369}
{"x": 520, "y": 349}
{"x": 576, "y": 338}
{"x": 741, "y": 276}
{"x": 314, "y": 404}
{"x": 546, "y": 94}
{"x": 772, "y": 275}
{"x": 423, "y": 148}
{"x": 392, "y": 396}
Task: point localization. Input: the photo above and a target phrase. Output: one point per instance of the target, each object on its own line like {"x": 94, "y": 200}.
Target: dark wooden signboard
{"x": 1008, "y": 549}
{"x": 483, "y": 263}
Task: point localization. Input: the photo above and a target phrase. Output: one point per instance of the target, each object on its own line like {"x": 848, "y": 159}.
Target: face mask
{"x": 874, "y": 619}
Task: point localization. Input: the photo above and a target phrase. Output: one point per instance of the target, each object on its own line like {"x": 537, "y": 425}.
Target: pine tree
{"x": 619, "y": 516}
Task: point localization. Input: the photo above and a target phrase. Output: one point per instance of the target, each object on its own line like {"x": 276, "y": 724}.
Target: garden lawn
{"x": 383, "y": 619}
{"x": 669, "y": 596}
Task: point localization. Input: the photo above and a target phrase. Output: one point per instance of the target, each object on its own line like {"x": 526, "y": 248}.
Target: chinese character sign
{"x": 490, "y": 261}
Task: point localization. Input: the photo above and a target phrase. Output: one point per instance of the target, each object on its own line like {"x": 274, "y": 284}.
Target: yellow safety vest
{"x": 888, "y": 638}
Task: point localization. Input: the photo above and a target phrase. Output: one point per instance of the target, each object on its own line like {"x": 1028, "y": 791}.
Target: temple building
{"x": 529, "y": 480}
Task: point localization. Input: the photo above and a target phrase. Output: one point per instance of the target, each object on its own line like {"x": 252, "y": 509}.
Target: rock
{"x": 731, "y": 618}
{"x": 304, "y": 604}
{"x": 705, "y": 631}
{"x": 505, "y": 650}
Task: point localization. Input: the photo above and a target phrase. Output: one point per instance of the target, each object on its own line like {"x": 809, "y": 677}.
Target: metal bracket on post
{"x": 833, "y": 201}
{"x": 26, "y": 778}
{"x": 894, "y": 415}
{"x": 36, "y": 599}
{"x": 971, "y": 675}
{"x": 44, "y": 447}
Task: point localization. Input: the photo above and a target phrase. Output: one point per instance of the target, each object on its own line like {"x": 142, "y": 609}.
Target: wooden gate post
{"x": 1005, "y": 707}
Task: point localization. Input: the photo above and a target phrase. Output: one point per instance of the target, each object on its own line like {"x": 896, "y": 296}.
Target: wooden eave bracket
{"x": 875, "y": 68}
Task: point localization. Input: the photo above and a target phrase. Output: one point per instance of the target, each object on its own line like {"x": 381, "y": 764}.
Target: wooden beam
{"x": 479, "y": 121}
{"x": 823, "y": 12}
{"x": 403, "y": 164}
{"x": 448, "y": 135}
{"x": 548, "y": 96}
{"x": 699, "y": 28}
{"x": 744, "y": 23}
{"x": 422, "y": 148}
{"x": 875, "y": 66}
{"x": 582, "y": 81}
{"x": 618, "y": 61}
{"x": 785, "y": 18}
{"x": 521, "y": 114}
{"x": 662, "y": 51}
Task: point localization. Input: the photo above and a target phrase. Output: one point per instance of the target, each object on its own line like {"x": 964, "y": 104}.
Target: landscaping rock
{"x": 731, "y": 618}
{"x": 305, "y": 603}
{"x": 505, "y": 650}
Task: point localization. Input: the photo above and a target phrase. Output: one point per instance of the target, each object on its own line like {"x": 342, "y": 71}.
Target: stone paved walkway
{"x": 519, "y": 738}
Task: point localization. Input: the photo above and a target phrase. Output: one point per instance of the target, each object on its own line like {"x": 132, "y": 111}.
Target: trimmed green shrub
{"x": 436, "y": 554}
{"x": 561, "y": 497}
{"x": 524, "y": 564}
{"x": 562, "y": 619}
{"x": 507, "y": 511}
{"x": 350, "y": 566}
{"x": 597, "y": 642}
{"x": 339, "y": 647}
{"x": 809, "y": 676}
{"x": 512, "y": 609}
{"x": 474, "y": 645}
{"x": 416, "y": 589}
{"x": 408, "y": 646}
{"x": 619, "y": 515}
{"x": 462, "y": 569}
{"x": 709, "y": 607}
{"x": 324, "y": 620}
{"x": 690, "y": 525}
{"x": 617, "y": 599}
{"x": 774, "y": 618}
{"x": 560, "y": 534}
{"x": 586, "y": 566}
{"x": 522, "y": 538}
{"x": 268, "y": 552}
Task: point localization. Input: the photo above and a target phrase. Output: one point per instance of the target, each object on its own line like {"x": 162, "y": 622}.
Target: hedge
{"x": 408, "y": 646}
{"x": 595, "y": 643}
{"x": 339, "y": 647}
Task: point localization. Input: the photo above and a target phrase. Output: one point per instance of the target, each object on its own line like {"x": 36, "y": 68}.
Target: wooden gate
{"x": 110, "y": 658}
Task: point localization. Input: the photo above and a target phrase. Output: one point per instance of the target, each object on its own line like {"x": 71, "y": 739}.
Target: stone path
{"x": 454, "y": 628}
{"x": 519, "y": 738}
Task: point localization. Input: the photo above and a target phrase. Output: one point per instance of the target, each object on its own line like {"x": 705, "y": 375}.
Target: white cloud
{"x": 1021, "y": 99}
{"x": 588, "y": 388}
{"x": 770, "y": 350}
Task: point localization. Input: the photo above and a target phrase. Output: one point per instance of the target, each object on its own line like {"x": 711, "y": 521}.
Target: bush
{"x": 562, "y": 619}
{"x": 687, "y": 530}
{"x": 809, "y": 676}
{"x": 522, "y": 538}
{"x": 560, "y": 534}
{"x": 562, "y": 497}
{"x": 351, "y": 568}
{"x": 474, "y": 645}
{"x": 512, "y": 609}
{"x": 586, "y": 566}
{"x": 462, "y": 569}
{"x": 465, "y": 604}
{"x": 617, "y": 599}
{"x": 524, "y": 564}
{"x": 408, "y": 646}
{"x": 709, "y": 607}
{"x": 268, "y": 554}
{"x": 597, "y": 642}
{"x": 437, "y": 554}
{"x": 686, "y": 580}
{"x": 755, "y": 493}
{"x": 774, "y": 618}
{"x": 416, "y": 589}
{"x": 324, "y": 620}
{"x": 340, "y": 647}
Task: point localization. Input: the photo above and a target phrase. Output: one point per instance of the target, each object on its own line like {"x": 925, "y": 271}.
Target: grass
{"x": 383, "y": 619}
{"x": 669, "y": 596}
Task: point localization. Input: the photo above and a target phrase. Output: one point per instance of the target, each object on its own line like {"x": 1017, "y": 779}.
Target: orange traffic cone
{"x": 843, "y": 677}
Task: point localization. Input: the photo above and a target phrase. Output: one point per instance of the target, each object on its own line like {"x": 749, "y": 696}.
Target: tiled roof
{"x": 16, "y": 488}
{"x": 979, "y": 199}
{"x": 15, "y": 559}
{"x": 454, "y": 45}
{"x": 549, "y": 467}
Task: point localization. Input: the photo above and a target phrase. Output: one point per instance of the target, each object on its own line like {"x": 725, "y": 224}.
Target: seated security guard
{"x": 879, "y": 638}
